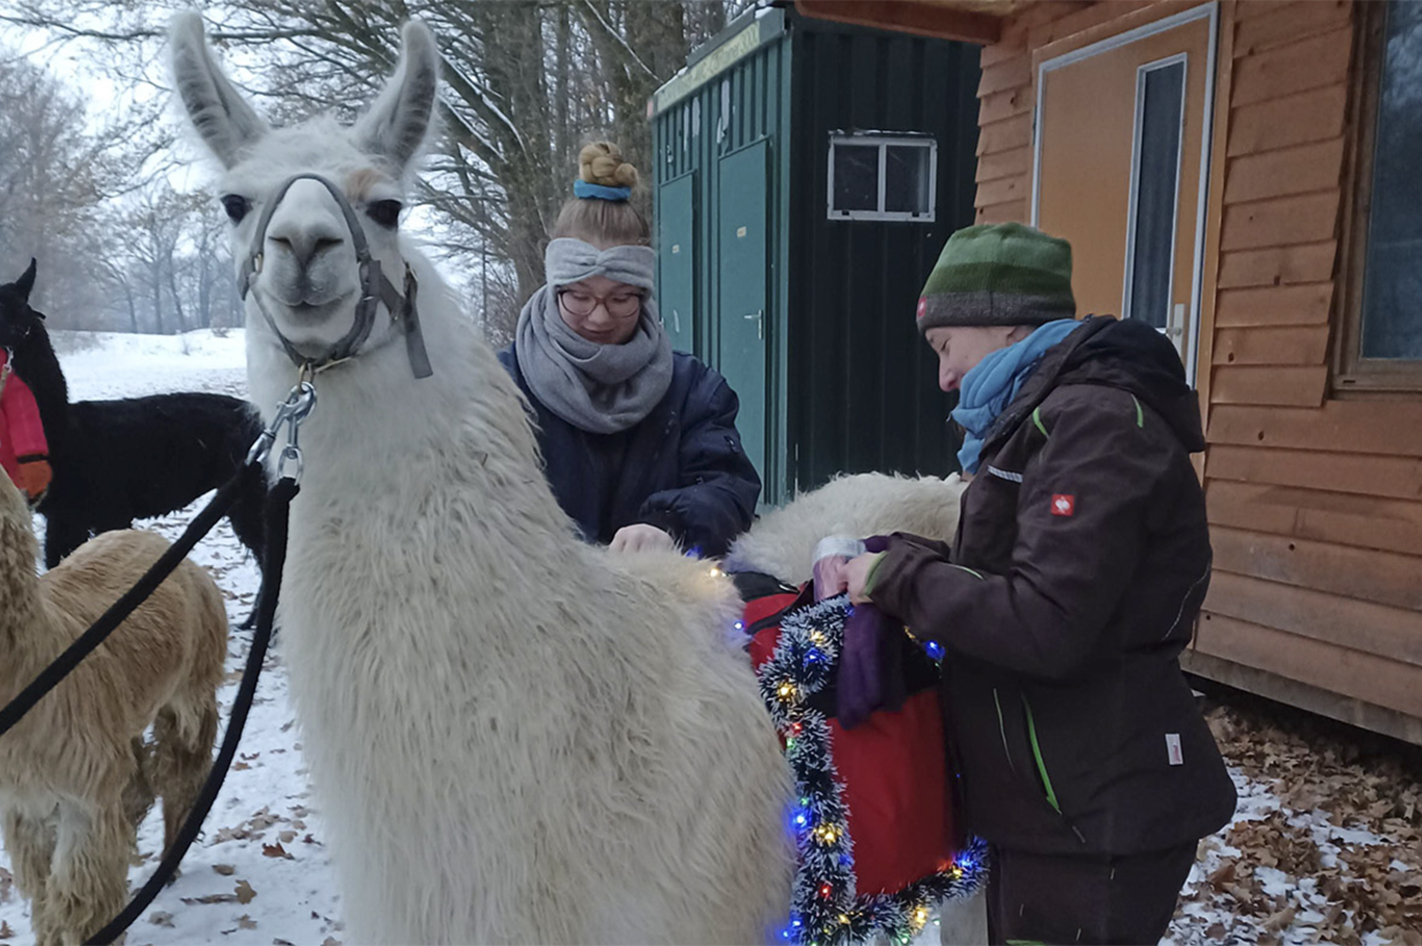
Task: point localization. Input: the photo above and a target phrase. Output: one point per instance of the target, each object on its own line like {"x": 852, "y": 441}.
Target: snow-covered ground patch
{"x": 1325, "y": 846}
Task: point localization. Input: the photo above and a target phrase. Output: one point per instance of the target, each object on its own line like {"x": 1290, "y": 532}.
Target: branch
{"x": 609, "y": 33}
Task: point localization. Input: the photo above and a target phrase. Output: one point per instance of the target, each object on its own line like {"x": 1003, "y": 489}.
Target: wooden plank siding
{"x": 1315, "y": 501}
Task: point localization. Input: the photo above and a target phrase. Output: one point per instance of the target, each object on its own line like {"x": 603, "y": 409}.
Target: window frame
{"x": 883, "y": 143}
{"x": 1351, "y": 370}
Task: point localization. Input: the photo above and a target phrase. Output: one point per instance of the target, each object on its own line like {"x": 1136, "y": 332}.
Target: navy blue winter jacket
{"x": 681, "y": 469}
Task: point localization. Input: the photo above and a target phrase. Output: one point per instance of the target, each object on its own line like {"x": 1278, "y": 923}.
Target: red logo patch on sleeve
{"x": 1063, "y": 505}
{"x": 922, "y": 308}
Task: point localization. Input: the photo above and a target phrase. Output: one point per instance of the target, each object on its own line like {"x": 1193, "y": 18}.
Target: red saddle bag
{"x": 894, "y": 770}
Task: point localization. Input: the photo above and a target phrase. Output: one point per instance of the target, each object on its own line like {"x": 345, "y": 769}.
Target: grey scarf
{"x": 599, "y": 388}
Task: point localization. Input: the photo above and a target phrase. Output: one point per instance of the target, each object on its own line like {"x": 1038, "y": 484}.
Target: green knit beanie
{"x": 998, "y": 274}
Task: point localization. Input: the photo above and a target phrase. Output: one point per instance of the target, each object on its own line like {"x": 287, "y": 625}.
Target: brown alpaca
{"x": 74, "y": 773}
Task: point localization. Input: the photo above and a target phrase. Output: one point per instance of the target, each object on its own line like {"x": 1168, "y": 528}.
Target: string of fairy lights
{"x": 824, "y": 908}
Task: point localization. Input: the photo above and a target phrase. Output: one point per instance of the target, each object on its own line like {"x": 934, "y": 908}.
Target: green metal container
{"x": 806, "y": 176}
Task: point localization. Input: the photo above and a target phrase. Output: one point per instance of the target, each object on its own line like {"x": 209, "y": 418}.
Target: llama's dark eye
{"x": 236, "y": 206}
{"x": 385, "y": 212}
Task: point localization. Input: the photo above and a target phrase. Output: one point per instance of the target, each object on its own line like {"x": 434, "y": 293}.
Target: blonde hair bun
{"x": 601, "y": 163}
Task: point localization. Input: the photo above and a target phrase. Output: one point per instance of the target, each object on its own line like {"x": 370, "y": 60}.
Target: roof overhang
{"x": 972, "y": 21}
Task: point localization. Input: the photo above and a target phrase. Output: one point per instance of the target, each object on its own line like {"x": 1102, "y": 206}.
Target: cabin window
{"x": 879, "y": 177}
{"x": 1382, "y": 347}
{"x": 1160, "y": 121}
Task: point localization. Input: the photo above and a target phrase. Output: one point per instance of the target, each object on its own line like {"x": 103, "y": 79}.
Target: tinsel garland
{"x": 824, "y": 908}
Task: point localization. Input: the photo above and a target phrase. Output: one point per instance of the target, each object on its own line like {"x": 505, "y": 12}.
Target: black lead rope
{"x": 86, "y": 643}
{"x": 278, "y": 503}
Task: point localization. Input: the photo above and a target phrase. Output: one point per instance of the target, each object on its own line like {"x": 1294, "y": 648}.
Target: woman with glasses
{"x": 639, "y": 442}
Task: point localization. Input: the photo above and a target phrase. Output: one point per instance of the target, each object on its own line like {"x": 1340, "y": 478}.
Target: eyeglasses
{"x": 621, "y": 304}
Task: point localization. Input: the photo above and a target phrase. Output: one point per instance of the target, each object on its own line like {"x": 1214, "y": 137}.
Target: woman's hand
{"x": 855, "y": 575}
{"x": 641, "y": 537}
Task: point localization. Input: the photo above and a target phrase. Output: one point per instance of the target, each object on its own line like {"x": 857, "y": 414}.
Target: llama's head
{"x": 17, "y": 319}
{"x": 301, "y": 272}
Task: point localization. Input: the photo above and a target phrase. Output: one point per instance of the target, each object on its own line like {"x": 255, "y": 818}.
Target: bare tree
{"x": 49, "y": 189}
{"x": 526, "y": 83}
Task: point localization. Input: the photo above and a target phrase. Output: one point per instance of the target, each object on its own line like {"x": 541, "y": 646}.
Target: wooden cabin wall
{"x": 1314, "y": 497}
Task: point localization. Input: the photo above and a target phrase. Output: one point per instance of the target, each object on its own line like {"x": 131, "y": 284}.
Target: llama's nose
{"x": 304, "y": 243}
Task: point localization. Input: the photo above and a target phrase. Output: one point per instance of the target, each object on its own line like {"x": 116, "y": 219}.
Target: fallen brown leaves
{"x": 6, "y": 932}
{"x": 1323, "y": 865}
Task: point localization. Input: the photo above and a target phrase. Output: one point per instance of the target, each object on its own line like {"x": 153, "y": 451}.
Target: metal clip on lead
{"x": 291, "y": 412}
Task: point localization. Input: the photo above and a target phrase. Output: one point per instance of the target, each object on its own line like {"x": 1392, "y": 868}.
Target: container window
{"x": 907, "y": 174}
{"x": 856, "y": 178}
{"x": 876, "y": 177}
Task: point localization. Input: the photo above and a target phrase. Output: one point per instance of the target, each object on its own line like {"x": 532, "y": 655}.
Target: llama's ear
{"x": 399, "y": 119}
{"x": 217, "y": 110}
{"x": 26, "y": 282}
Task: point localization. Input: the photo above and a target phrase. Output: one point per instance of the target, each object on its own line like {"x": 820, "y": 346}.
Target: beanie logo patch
{"x": 922, "y": 307}
{"x": 1063, "y": 505}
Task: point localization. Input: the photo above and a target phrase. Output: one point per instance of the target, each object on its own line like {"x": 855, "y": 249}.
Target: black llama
{"x": 134, "y": 458}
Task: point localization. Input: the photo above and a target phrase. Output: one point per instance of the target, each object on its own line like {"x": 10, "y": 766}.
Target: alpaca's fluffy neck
{"x": 22, "y": 613}
{"x": 37, "y": 364}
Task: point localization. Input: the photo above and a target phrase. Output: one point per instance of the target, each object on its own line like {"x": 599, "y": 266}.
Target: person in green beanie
{"x": 1080, "y": 563}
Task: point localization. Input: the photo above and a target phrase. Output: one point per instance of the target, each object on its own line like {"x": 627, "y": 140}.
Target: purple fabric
{"x": 871, "y": 673}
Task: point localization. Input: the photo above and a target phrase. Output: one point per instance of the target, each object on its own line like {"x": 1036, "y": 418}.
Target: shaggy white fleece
{"x": 782, "y": 542}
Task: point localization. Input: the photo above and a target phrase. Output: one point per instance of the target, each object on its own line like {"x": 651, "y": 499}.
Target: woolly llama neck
{"x": 20, "y": 604}
{"x": 602, "y": 213}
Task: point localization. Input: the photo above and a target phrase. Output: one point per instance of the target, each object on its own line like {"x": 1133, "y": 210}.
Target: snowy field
{"x": 1325, "y": 847}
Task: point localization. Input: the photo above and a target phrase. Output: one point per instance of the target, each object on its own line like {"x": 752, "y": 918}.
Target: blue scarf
{"x": 993, "y": 384}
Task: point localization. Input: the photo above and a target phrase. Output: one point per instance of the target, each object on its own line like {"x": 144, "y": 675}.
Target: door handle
{"x": 676, "y": 321}
{"x": 759, "y": 317}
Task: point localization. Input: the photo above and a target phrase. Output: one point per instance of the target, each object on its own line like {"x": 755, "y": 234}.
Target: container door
{"x": 1121, "y": 142}
{"x": 741, "y": 282}
{"x": 676, "y": 260}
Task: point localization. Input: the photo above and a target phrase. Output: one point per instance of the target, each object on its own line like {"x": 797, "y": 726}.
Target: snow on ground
{"x": 1326, "y": 845}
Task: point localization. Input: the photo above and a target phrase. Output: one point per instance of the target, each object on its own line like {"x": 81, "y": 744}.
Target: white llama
{"x": 514, "y": 736}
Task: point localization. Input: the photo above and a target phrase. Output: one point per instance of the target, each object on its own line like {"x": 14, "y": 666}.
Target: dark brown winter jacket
{"x": 1080, "y": 562}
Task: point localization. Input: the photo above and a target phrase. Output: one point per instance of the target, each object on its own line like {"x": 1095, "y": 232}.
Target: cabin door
{"x": 1122, "y": 153}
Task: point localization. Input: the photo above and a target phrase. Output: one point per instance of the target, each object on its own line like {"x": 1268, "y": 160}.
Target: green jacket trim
{"x": 1037, "y": 419}
{"x": 873, "y": 574}
{"x": 1036, "y": 753}
{"x": 1140, "y": 414}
